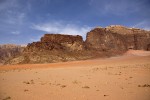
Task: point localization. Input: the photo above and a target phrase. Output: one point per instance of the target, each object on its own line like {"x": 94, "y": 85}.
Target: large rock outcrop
{"x": 100, "y": 42}
{"x": 136, "y": 39}
{"x": 53, "y": 48}
{"x": 9, "y": 51}
{"x": 118, "y": 38}
{"x": 57, "y": 42}
{"x": 103, "y": 40}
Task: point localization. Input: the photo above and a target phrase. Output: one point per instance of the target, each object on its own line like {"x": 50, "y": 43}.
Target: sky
{"x": 26, "y": 21}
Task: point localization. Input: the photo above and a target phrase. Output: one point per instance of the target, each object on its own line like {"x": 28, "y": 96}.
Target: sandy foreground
{"x": 117, "y": 78}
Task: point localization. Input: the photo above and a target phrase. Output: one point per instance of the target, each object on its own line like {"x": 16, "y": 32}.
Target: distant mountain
{"x": 100, "y": 42}
{"x": 9, "y": 51}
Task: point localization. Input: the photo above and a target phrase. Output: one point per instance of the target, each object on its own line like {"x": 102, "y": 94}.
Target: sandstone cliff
{"x": 100, "y": 42}
{"x": 136, "y": 39}
{"x": 57, "y": 42}
{"x": 118, "y": 38}
{"x": 103, "y": 40}
{"x": 53, "y": 48}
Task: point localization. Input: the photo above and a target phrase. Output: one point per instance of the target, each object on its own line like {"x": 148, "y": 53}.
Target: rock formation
{"x": 57, "y": 42}
{"x": 118, "y": 37}
{"x": 136, "y": 39}
{"x": 105, "y": 40}
{"x": 100, "y": 42}
{"x": 9, "y": 51}
{"x": 53, "y": 48}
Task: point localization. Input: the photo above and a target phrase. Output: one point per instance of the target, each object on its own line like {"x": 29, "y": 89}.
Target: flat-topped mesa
{"x": 60, "y": 38}
{"x": 100, "y": 42}
{"x": 58, "y": 42}
{"x": 118, "y": 38}
{"x": 100, "y": 39}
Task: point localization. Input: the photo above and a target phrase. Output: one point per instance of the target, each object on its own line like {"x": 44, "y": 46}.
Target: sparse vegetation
{"x": 31, "y": 81}
{"x": 26, "y": 90}
{"x": 105, "y": 95}
{"x": 7, "y": 98}
{"x": 87, "y": 87}
{"x": 75, "y": 82}
{"x": 63, "y": 86}
{"x": 27, "y": 82}
{"x": 145, "y": 85}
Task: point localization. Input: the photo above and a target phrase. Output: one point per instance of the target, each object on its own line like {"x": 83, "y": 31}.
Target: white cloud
{"x": 116, "y": 7}
{"x": 62, "y": 28}
{"x": 12, "y": 12}
{"x": 15, "y": 32}
{"x": 14, "y": 18}
{"x": 21, "y": 17}
{"x": 7, "y": 4}
{"x": 143, "y": 24}
{"x": 121, "y": 7}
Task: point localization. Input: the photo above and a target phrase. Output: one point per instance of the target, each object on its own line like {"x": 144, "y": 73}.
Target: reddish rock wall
{"x": 118, "y": 38}
{"x": 57, "y": 42}
{"x": 100, "y": 42}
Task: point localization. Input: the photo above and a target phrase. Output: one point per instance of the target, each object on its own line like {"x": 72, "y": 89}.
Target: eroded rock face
{"x": 9, "y": 51}
{"x": 60, "y": 38}
{"x": 103, "y": 40}
{"x": 57, "y": 42}
{"x": 136, "y": 39}
{"x": 100, "y": 42}
{"x": 118, "y": 37}
{"x": 52, "y": 48}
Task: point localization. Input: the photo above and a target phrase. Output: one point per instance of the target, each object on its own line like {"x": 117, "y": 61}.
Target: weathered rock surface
{"x": 118, "y": 38}
{"x": 57, "y": 42}
{"x": 9, "y": 51}
{"x": 100, "y": 42}
{"x": 53, "y": 48}
{"x": 136, "y": 39}
{"x": 103, "y": 40}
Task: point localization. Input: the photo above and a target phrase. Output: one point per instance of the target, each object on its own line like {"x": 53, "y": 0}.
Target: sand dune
{"x": 117, "y": 78}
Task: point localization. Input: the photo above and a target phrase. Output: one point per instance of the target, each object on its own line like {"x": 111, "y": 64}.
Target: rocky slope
{"x": 56, "y": 48}
{"x": 100, "y": 42}
{"x": 9, "y": 51}
{"x": 59, "y": 42}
